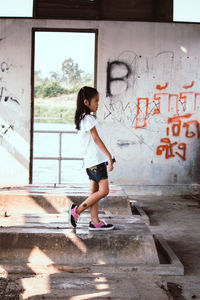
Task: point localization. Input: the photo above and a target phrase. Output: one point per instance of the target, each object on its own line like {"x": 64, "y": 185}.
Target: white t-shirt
{"x": 92, "y": 154}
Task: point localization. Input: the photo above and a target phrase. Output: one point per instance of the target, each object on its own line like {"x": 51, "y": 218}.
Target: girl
{"x": 95, "y": 157}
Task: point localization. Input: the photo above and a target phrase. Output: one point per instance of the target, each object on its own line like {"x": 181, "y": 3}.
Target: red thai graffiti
{"x": 177, "y": 103}
{"x": 188, "y": 86}
{"x": 159, "y": 87}
{"x": 195, "y": 100}
{"x": 178, "y": 123}
{"x": 157, "y": 100}
{"x": 141, "y": 103}
{"x": 168, "y": 148}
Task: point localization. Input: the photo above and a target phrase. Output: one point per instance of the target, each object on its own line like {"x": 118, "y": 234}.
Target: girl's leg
{"x": 94, "y": 187}
{"x": 95, "y": 197}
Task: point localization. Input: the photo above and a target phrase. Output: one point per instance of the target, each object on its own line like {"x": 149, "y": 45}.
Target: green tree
{"x": 50, "y": 89}
{"x": 71, "y": 71}
{"x": 55, "y": 76}
{"x": 38, "y": 78}
{"x": 87, "y": 79}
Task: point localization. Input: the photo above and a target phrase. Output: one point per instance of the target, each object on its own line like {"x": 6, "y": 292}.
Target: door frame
{"x": 69, "y": 30}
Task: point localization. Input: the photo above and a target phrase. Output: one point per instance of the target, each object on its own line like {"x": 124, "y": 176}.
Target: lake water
{"x": 47, "y": 145}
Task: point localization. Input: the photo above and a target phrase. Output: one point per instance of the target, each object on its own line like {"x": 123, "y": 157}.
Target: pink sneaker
{"x": 73, "y": 216}
{"x": 100, "y": 226}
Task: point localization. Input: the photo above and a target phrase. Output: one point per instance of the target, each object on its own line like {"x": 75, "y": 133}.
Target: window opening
{"x": 186, "y": 11}
{"x": 63, "y": 63}
{"x": 16, "y": 8}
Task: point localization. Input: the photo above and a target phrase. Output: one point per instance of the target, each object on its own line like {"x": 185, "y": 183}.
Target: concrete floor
{"x": 178, "y": 220}
{"x": 175, "y": 218}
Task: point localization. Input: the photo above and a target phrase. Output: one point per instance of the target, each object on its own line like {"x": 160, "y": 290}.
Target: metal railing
{"x": 59, "y": 157}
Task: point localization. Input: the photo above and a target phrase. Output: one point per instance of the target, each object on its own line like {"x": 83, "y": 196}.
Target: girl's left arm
{"x": 102, "y": 146}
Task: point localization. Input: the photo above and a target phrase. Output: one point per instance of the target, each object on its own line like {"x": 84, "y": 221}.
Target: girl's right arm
{"x": 102, "y": 146}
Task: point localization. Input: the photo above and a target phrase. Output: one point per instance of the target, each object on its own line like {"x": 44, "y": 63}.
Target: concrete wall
{"x": 148, "y": 79}
{"x": 15, "y": 100}
{"x": 148, "y": 74}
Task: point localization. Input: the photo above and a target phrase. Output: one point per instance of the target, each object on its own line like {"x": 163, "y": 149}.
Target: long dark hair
{"x": 87, "y": 93}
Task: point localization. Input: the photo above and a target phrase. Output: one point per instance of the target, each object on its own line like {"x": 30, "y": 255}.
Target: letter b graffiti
{"x": 117, "y": 71}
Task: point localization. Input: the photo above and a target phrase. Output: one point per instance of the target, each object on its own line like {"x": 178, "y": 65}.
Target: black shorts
{"x": 97, "y": 172}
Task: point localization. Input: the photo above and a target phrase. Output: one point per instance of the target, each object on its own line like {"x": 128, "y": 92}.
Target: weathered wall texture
{"x": 15, "y": 99}
{"x": 148, "y": 78}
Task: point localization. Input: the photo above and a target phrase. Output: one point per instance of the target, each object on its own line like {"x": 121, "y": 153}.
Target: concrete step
{"x": 56, "y": 199}
{"x": 25, "y": 238}
{"x": 34, "y": 241}
{"x": 44, "y": 238}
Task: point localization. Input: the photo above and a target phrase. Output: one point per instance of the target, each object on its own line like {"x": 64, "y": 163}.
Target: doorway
{"x": 62, "y": 62}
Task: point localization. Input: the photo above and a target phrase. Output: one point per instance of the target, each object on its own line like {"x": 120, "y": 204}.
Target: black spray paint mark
{"x": 6, "y": 129}
{"x": 124, "y": 143}
{"x": 111, "y": 66}
{"x": 6, "y": 98}
{"x": 166, "y": 52}
{"x": 11, "y": 99}
{"x": 120, "y": 70}
{"x": 1, "y": 93}
{"x": 113, "y": 107}
{"x": 5, "y": 67}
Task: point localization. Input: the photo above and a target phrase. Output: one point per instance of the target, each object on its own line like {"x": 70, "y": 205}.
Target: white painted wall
{"x": 154, "y": 55}
{"x": 150, "y": 55}
{"x": 15, "y": 99}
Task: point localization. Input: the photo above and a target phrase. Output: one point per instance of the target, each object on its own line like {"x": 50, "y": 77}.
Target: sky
{"x": 186, "y": 10}
{"x": 16, "y": 8}
{"x": 52, "y": 48}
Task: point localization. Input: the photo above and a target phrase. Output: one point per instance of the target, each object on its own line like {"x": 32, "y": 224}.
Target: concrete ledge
{"x": 126, "y": 244}
{"x": 161, "y": 190}
{"x": 138, "y": 210}
{"x": 50, "y": 199}
{"x": 175, "y": 267}
{"x": 45, "y": 240}
{"x": 170, "y": 263}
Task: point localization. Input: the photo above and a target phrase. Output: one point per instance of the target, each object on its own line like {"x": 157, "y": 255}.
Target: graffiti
{"x": 122, "y": 75}
{"x": 124, "y": 72}
{"x": 4, "y": 67}
{"x": 178, "y": 124}
{"x": 145, "y": 113}
{"x": 125, "y": 143}
{"x": 159, "y": 87}
{"x": 166, "y": 52}
{"x": 145, "y": 108}
{"x": 4, "y": 129}
{"x": 4, "y": 95}
{"x": 117, "y": 71}
{"x": 188, "y": 86}
{"x": 141, "y": 92}
{"x": 168, "y": 148}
